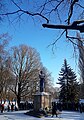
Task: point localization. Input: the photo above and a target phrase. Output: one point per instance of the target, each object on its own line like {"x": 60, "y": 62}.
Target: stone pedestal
{"x": 42, "y": 100}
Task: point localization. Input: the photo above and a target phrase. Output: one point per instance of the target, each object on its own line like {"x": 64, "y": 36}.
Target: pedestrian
{"x": 54, "y": 109}
{"x": 16, "y": 109}
{"x": 12, "y": 107}
{"x": 8, "y": 108}
{"x": 2, "y": 108}
{"x": 81, "y": 107}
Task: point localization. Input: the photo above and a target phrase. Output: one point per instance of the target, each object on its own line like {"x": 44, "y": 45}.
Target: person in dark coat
{"x": 2, "y": 108}
{"x": 12, "y": 107}
{"x": 8, "y": 108}
{"x": 54, "y": 109}
{"x": 81, "y": 107}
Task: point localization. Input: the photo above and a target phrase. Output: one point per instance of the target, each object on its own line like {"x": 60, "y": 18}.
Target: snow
{"x": 19, "y": 115}
{"x": 81, "y": 101}
{"x": 42, "y": 93}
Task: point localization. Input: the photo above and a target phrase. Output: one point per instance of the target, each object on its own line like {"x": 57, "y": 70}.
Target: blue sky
{"x": 32, "y": 33}
{"x": 39, "y": 38}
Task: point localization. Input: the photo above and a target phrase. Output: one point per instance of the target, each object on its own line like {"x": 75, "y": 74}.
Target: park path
{"x": 19, "y": 115}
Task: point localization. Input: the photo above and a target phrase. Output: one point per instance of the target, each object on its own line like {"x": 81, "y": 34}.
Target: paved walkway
{"x": 19, "y": 115}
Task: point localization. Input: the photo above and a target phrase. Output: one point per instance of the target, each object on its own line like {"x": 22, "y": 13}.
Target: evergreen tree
{"x": 68, "y": 84}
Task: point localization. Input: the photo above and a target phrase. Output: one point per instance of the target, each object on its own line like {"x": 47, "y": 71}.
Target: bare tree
{"x": 59, "y": 12}
{"x": 81, "y": 58}
{"x": 81, "y": 65}
{"x": 25, "y": 65}
{"x": 4, "y": 72}
{"x": 19, "y": 71}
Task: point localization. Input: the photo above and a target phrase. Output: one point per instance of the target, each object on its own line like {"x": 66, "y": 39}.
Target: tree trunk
{"x": 19, "y": 95}
{"x": 18, "y": 101}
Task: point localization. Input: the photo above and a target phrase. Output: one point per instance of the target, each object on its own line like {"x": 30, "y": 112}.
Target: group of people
{"x": 9, "y": 107}
{"x": 58, "y": 107}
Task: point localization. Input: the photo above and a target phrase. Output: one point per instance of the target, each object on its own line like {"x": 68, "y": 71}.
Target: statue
{"x": 42, "y": 79}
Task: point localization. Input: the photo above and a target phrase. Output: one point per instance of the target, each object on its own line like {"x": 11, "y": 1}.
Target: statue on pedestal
{"x": 42, "y": 98}
{"x": 42, "y": 80}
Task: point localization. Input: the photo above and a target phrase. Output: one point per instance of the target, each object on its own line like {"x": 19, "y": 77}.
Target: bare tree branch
{"x": 16, "y": 4}
{"x": 71, "y": 10}
{"x": 25, "y": 12}
{"x": 57, "y": 39}
{"x": 80, "y": 5}
{"x": 74, "y": 26}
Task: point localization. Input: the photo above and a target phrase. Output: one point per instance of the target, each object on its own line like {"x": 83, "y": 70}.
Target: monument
{"x": 42, "y": 80}
{"x": 42, "y": 99}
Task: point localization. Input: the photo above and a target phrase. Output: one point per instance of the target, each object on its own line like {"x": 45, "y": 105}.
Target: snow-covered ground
{"x": 19, "y": 115}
